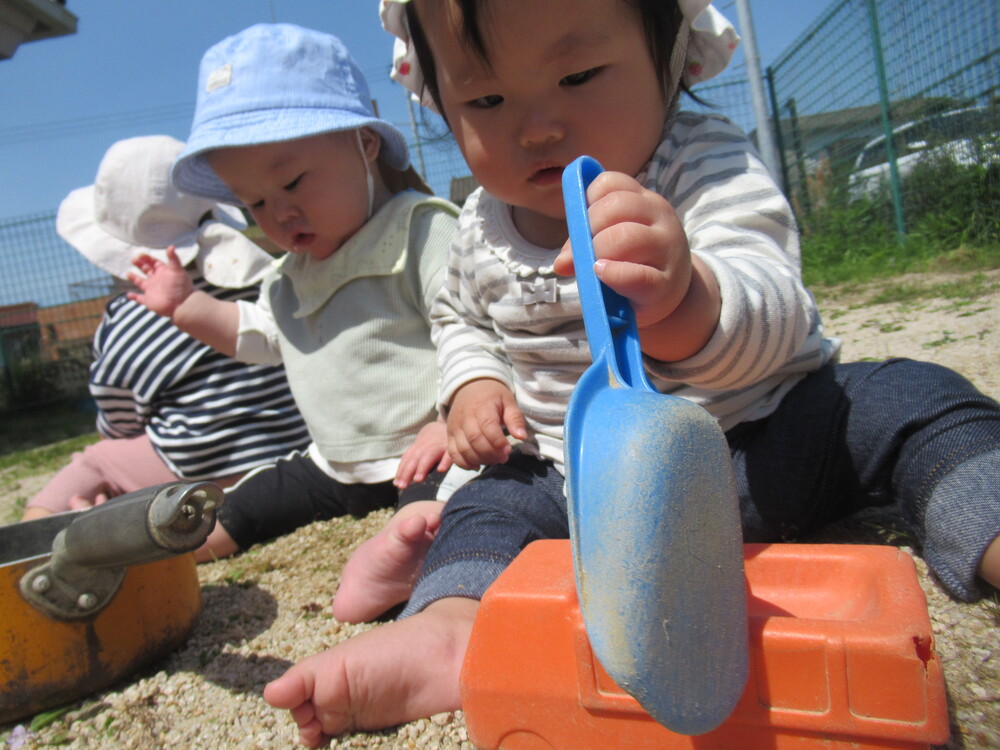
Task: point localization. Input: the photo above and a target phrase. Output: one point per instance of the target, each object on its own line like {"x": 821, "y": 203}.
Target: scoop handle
{"x": 607, "y": 316}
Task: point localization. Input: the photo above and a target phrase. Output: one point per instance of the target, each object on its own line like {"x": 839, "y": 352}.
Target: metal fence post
{"x": 776, "y": 119}
{"x": 8, "y": 378}
{"x": 883, "y": 100}
{"x": 416, "y": 137}
{"x": 800, "y": 157}
{"x": 765, "y": 138}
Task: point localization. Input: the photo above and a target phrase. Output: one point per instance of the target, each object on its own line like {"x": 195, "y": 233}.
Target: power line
{"x": 114, "y": 120}
{"x": 93, "y": 123}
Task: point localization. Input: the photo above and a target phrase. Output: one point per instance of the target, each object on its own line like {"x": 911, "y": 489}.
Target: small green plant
{"x": 234, "y": 576}
{"x": 966, "y": 288}
{"x": 969, "y": 313}
{"x": 882, "y": 326}
{"x": 947, "y": 337}
{"x": 45, "y": 718}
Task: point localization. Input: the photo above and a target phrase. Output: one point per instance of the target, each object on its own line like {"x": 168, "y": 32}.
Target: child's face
{"x": 308, "y": 195}
{"x": 568, "y": 77}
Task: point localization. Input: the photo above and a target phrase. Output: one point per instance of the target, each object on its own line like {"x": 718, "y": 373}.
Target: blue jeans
{"x": 847, "y": 437}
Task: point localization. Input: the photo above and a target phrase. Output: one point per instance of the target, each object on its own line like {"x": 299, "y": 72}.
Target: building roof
{"x": 24, "y": 21}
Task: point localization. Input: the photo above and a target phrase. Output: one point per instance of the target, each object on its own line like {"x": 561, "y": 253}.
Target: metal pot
{"x": 89, "y": 597}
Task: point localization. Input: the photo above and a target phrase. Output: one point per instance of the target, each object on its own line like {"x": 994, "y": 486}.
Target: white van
{"x": 965, "y": 136}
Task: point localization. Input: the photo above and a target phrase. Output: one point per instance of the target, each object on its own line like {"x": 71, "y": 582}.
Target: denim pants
{"x": 847, "y": 437}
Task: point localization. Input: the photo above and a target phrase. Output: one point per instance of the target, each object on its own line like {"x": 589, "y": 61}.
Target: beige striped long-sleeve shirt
{"x": 504, "y": 314}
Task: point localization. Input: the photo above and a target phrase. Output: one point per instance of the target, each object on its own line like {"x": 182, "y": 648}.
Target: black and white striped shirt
{"x": 206, "y": 414}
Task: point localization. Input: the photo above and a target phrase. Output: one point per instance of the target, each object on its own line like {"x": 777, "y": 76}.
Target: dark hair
{"x": 660, "y": 22}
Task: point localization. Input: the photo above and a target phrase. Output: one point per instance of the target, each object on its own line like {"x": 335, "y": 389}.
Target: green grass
{"x": 826, "y": 262}
{"x": 961, "y": 293}
{"x": 964, "y": 289}
{"x": 952, "y": 217}
{"x": 16, "y": 465}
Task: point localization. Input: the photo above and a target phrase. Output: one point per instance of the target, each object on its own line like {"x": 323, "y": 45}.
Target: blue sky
{"x": 131, "y": 69}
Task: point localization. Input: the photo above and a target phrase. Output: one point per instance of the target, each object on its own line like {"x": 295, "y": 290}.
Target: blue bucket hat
{"x": 270, "y": 83}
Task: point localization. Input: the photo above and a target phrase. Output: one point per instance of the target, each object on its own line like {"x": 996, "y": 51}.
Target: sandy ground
{"x": 268, "y": 608}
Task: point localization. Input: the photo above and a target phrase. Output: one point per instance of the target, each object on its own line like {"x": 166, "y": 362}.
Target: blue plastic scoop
{"x": 654, "y": 519}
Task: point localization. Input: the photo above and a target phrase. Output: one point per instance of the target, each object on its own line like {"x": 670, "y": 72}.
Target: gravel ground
{"x": 268, "y": 608}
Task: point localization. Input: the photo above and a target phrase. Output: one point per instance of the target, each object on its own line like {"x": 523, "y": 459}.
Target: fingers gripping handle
{"x": 608, "y": 317}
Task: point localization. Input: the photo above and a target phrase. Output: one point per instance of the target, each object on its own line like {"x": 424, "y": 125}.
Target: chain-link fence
{"x": 51, "y": 301}
{"x": 888, "y": 110}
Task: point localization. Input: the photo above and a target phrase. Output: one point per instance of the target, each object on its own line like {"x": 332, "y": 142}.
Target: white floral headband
{"x": 711, "y": 41}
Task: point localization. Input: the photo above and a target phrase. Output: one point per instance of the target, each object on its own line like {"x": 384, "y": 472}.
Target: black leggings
{"x": 277, "y": 499}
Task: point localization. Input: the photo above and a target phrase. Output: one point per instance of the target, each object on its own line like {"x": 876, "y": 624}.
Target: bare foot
{"x": 398, "y": 672}
{"x": 381, "y": 571}
{"x": 989, "y": 565}
{"x": 81, "y": 502}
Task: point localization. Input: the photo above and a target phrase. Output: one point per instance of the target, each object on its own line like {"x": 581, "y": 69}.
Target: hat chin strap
{"x": 368, "y": 174}
{"x": 678, "y": 58}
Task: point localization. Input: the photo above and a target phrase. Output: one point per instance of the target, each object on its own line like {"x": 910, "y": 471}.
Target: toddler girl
{"x": 690, "y": 227}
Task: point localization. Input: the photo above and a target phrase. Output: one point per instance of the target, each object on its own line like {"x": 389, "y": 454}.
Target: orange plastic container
{"x": 841, "y": 656}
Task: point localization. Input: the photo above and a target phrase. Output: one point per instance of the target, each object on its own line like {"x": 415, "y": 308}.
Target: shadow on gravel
{"x": 232, "y": 615}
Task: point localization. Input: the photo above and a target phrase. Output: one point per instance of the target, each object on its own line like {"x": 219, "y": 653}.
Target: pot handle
{"x": 90, "y": 556}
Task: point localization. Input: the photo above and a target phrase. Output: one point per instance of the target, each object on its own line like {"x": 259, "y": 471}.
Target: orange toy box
{"x": 841, "y": 656}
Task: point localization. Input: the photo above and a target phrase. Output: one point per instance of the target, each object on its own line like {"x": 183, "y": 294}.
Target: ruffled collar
{"x": 520, "y": 257}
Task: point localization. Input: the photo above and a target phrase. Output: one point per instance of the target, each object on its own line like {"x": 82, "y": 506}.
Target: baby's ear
{"x": 372, "y": 143}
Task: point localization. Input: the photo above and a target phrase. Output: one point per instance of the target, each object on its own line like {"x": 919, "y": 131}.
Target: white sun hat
{"x": 710, "y": 43}
{"x": 133, "y": 208}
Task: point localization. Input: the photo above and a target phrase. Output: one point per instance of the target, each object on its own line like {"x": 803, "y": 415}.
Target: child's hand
{"x": 164, "y": 286}
{"x": 643, "y": 254}
{"x": 429, "y": 452}
{"x": 642, "y": 251}
{"x": 479, "y": 412}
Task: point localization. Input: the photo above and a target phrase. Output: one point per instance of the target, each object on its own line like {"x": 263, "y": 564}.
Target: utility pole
{"x": 765, "y": 135}
{"x": 416, "y": 137}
